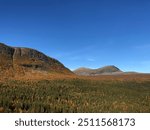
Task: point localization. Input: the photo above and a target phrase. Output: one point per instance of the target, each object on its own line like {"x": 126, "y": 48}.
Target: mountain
{"x": 20, "y": 61}
{"x": 107, "y": 70}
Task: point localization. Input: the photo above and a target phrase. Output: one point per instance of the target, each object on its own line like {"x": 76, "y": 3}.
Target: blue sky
{"x": 89, "y": 33}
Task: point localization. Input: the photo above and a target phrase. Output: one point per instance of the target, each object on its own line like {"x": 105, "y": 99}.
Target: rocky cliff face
{"x": 15, "y": 60}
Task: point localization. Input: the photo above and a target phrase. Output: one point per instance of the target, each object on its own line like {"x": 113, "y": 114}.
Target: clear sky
{"x": 81, "y": 33}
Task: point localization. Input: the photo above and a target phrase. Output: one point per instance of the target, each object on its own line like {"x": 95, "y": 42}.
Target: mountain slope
{"x": 19, "y": 61}
{"x": 99, "y": 71}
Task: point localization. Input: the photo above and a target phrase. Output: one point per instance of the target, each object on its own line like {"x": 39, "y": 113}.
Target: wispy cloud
{"x": 76, "y": 54}
{"x": 144, "y": 46}
{"x": 91, "y": 59}
{"x": 75, "y": 58}
{"x": 82, "y": 58}
{"x": 146, "y": 62}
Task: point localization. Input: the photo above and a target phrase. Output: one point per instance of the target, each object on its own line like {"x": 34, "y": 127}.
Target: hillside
{"x": 15, "y": 61}
{"x": 100, "y": 71}
{"x": 36, "y": 83}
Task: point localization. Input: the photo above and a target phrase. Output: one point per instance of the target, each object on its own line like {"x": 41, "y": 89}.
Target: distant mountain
{"x": 107, "y": 70}
{"x": 19, "y": 61}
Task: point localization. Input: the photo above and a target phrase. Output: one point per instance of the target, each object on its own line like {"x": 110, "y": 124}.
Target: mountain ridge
{"x": 110, "y": 69}
{"x": 19, "y": 60}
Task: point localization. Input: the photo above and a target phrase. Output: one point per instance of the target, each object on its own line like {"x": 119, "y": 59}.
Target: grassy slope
{"x": 75, "y": 95}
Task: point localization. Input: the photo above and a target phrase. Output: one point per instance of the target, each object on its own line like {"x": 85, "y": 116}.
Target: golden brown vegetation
{"x": 76, "y": 94}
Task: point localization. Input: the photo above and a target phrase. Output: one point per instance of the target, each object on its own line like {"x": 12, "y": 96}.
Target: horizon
{"x": 87, "y": 33}
{"x": 66, "y": 66}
